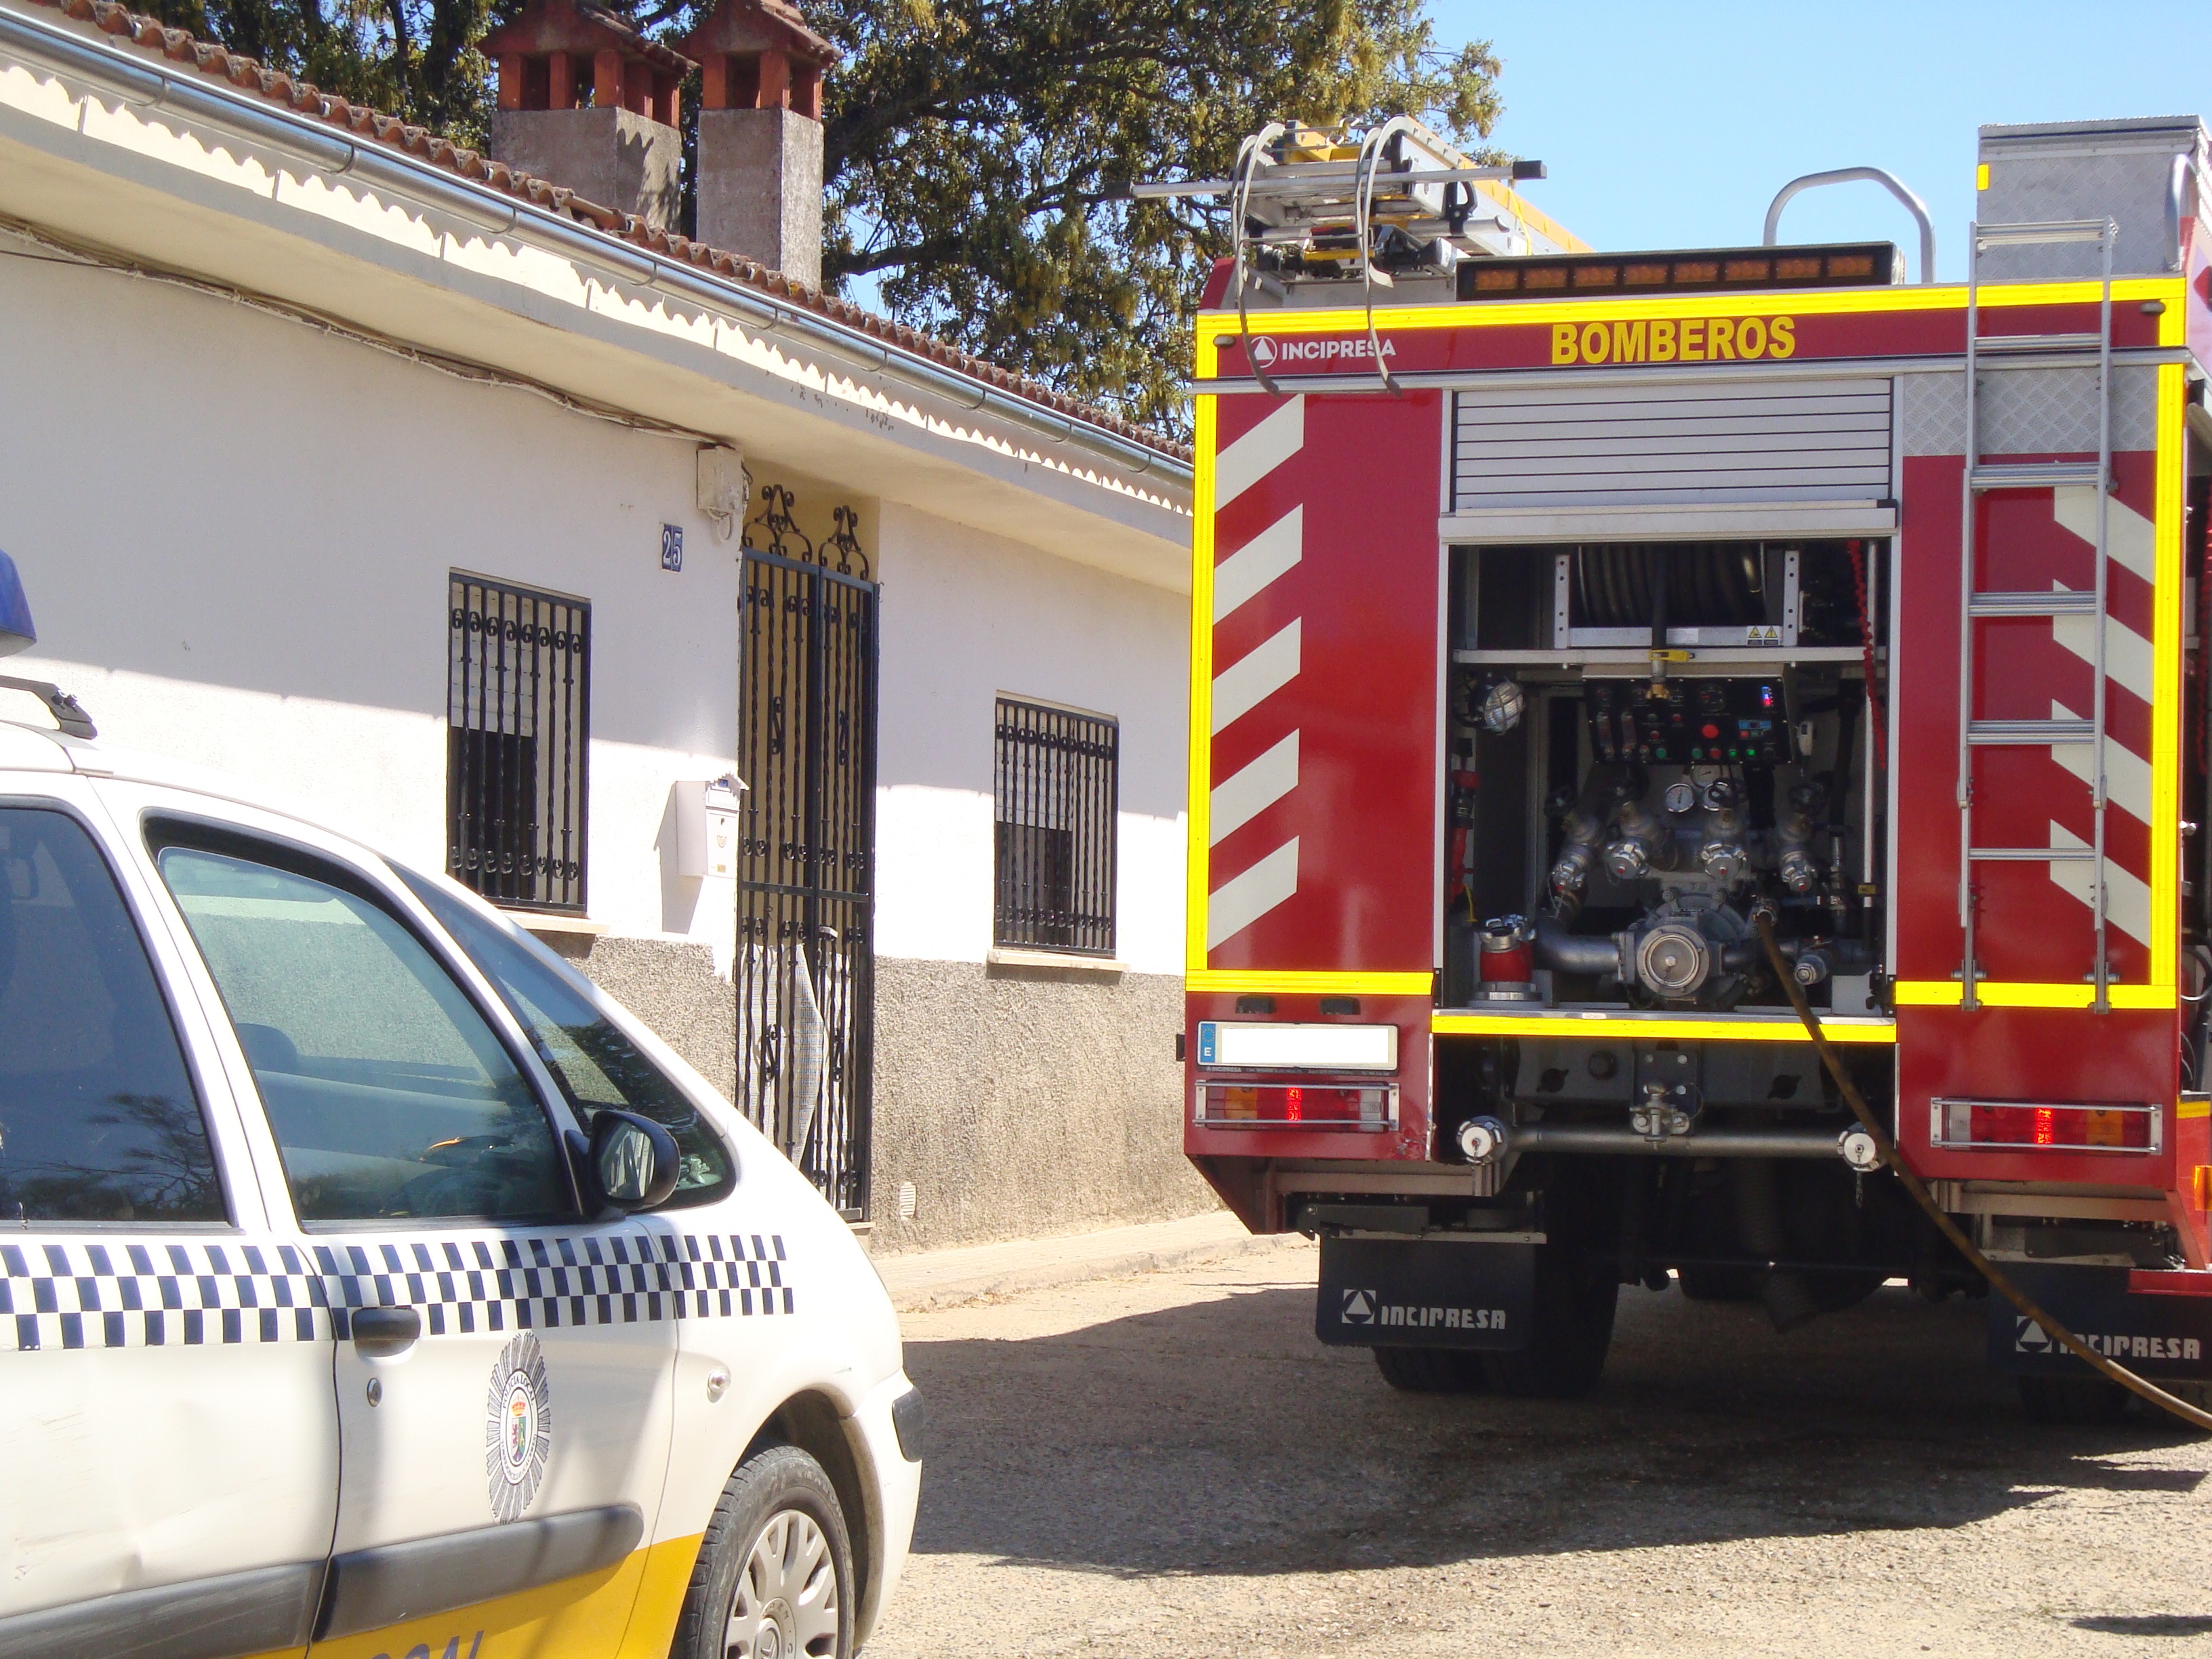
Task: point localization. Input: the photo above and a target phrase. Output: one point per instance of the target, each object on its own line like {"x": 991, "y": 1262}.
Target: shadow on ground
{"x": 1219, "y": 1437}
{"x": 2146, "y": 1624}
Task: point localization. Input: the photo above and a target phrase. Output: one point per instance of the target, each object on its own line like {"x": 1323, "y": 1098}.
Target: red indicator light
{"x": 1708, "y": 730}
{"x": 2081, "y": 1128}
{"x": 1766, "y": 696}
{"x": 1293, "y": 1106}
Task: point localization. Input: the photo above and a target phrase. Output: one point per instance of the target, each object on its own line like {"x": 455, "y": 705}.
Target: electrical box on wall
{"x": 706, "y": 828}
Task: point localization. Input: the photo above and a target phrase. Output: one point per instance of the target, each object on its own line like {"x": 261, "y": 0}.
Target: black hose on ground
{"x": 2019, "y": 1299}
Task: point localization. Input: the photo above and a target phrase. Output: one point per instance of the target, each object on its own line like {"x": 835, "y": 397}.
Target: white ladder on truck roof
{"x": 2034, "y": 352}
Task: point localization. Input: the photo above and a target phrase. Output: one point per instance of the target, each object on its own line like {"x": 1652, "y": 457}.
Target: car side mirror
{"x": 632, "y": 1160}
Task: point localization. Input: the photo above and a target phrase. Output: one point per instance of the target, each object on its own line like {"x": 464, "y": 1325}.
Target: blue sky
{"x": 1673, "y": 124}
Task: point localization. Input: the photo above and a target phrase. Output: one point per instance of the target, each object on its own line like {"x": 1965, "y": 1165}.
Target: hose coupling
{"x": 1858, "y": 1149}
{"x": 1482, "y": 1140}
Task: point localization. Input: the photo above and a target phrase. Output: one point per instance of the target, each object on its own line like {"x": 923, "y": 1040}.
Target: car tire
{"x": 2073, "y": 1401}
{"x": 1431, "y": 1371}
{"x": 777, "y": 1555}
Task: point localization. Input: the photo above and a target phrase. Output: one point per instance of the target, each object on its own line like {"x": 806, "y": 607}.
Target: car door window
{"x": 595, "y": 1065}
{"x": 390, "y": 1095}
{"x": 99, "y": 1119}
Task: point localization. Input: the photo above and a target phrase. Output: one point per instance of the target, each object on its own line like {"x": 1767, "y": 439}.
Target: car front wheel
{"x": 774, "y": 1575}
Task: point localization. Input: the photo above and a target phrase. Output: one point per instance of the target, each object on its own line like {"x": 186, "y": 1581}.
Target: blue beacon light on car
{"x": 16, "y": 632}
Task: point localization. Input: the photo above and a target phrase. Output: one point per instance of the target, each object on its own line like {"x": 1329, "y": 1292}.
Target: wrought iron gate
{"x": 806, "y": 855}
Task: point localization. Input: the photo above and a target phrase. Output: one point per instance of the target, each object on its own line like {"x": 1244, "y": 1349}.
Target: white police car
{"x": 371, "y": 1285}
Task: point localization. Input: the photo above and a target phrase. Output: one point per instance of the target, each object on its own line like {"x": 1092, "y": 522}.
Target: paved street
{"x": 1170, "y": 1464}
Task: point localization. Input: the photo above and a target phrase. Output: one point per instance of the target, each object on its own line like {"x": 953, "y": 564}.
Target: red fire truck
{"x": 1561, "y": 616}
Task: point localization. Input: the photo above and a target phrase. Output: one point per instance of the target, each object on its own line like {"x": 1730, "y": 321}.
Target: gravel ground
{"x": 1171, "y": 1464}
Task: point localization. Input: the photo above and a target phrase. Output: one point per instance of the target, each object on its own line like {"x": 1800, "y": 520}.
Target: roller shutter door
{"x": 1624, "y": 446}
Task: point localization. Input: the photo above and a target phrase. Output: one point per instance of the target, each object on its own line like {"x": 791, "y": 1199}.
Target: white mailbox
{"x": 706, "y": 828}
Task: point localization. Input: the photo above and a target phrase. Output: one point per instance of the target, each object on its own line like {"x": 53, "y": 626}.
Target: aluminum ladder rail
{"x": 2035, "y": 352}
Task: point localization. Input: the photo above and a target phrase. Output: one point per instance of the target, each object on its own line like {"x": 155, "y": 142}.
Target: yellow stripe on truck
{"x": 1678, "y": 1027}
{"x": 1292, "y": 983}
{"x": 1217, "y": 327}
{"x": 1197, "y": 856}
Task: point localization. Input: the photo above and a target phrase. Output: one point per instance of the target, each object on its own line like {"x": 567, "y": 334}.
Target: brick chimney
{"x": 760, "y": 134}
{"x": 588, "y": 103}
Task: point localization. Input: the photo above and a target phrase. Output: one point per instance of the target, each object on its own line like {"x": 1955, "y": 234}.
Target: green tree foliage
{"x": 973, "y": 147}
{"x": 413, "y": 59}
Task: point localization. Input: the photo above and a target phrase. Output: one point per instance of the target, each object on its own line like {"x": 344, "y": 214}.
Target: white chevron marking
{"x": 2127, "y": 898}
{"x": 2128, "y": 535}
{"x": 1237, "y": 801}
{"x": 2127, "y": 654}
{"x": 1243, "y": 900}
{"x": 2127, "y": 774}
{"x": 1244, "y": 573}
{"x": 1259, "y": 452}
{"x": 1255, "y": 676}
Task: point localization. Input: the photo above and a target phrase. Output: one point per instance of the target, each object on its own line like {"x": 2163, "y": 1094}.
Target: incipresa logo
{"x": 1266, "y": 352}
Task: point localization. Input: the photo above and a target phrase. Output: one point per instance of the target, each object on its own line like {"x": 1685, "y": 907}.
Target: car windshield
{"x": 596, "y": 1066}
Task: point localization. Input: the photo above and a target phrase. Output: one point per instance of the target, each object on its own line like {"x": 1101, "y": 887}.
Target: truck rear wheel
{"x": 1576, "y": 1295}
{"x": 2073, "y": 1401}
{"x": 1431, "y": 1371}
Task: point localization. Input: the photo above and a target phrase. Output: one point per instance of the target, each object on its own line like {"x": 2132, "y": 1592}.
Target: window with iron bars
{"x": 1058, "y": 784}
{"x": 518, "y": 737}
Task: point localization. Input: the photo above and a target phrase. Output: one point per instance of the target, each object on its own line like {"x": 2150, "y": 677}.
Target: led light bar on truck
{"x": 1855, "y": 264}
{"x": 1296, "y": 1106}
{"x": 2044, "y": 1128}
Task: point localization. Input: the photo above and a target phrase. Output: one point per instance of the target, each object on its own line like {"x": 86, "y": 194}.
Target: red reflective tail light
{"x": 1296, "y": 1106}
{"x": 2040, "y": 1125}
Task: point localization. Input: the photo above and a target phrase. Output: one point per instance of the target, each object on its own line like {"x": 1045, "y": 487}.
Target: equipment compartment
{"x": 1650, "y": 744}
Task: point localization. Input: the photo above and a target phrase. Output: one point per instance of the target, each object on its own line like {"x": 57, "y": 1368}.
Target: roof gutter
{"x": 192, "y": 94}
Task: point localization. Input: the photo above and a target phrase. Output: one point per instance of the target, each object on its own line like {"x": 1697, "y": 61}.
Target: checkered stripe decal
{"x": 123, "y": 1293}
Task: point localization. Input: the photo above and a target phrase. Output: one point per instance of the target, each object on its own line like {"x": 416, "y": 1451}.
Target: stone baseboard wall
{"x": 1025, "y": 1101}
{"x": 1019, "y": 1101}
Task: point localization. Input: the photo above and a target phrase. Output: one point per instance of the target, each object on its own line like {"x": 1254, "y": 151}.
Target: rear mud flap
{"x": 1414, "y": 1294}
{"x": 2154, "y": 1336}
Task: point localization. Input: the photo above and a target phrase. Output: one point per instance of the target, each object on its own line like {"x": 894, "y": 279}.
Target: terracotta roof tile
{"x": 216, "y": 62}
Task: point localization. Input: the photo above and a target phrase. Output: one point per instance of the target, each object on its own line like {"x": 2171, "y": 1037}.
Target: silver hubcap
{"x": 785, "y": 1604}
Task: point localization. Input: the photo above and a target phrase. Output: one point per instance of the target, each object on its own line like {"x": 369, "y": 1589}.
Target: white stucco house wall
{"x": 274, "y": 383}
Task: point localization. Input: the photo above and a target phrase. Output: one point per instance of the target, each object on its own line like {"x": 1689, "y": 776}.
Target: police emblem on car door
{"x": 518, "y": 1427}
